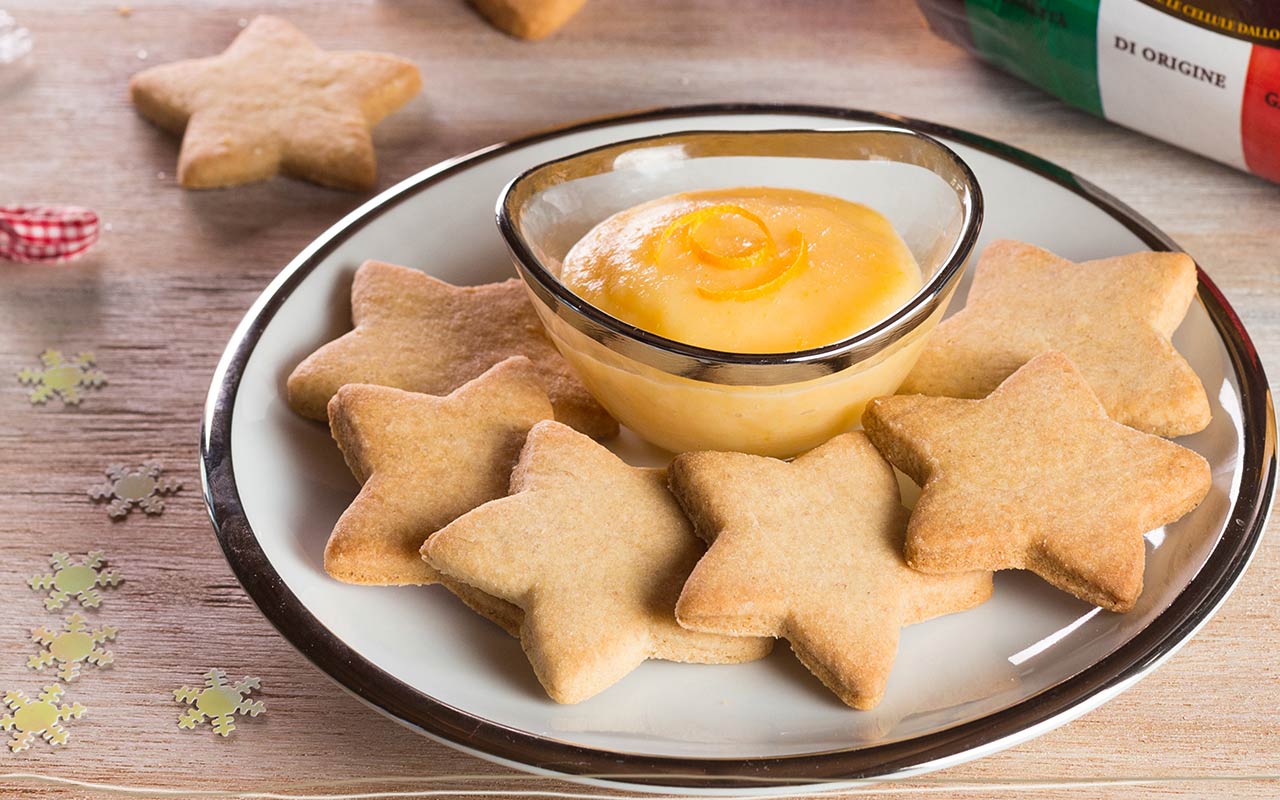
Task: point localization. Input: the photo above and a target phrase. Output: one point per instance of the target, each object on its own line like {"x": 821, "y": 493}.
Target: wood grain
{"x": 161, "y": 294}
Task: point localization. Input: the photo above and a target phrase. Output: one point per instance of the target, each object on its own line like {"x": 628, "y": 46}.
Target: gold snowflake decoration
{"x": 42, "y": 717}
{"x": 70, "y": 580}
{"x": 126, "y": 487}
{"x": 72, "y": 646}
{"x": 218, "y": 702}
{"x": 61, "y": 378}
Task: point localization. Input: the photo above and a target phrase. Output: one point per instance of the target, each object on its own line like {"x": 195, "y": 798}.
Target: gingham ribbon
{"x": 46, "y": 233}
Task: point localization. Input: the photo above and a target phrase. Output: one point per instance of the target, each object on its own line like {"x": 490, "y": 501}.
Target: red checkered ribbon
{"x": 46, "y": 233}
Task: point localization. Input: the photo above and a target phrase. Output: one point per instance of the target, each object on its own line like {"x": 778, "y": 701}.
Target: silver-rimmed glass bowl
{"x": 683, "y": 397}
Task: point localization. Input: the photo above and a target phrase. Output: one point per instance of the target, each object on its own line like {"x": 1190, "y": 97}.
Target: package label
{"x": 1175, "y": 81}
{"x": 1190, "y": 72}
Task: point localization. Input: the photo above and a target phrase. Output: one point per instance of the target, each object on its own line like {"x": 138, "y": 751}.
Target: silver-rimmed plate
{"x": 1028, "y": 660}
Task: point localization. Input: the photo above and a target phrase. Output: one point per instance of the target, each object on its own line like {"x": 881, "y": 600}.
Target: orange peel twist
{"x": 689, "y": 223}
{"x": 770, "y": 284}
{"x": 757, "y": 255}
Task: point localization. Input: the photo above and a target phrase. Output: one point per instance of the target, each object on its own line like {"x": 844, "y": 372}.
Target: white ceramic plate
{"x": 1029, "y": 659}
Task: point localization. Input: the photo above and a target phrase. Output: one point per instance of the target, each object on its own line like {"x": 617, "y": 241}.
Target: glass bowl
{"x": 683, "y": 397}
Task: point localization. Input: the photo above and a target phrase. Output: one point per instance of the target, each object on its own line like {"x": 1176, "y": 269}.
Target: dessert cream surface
{"x": 747, "y": 270}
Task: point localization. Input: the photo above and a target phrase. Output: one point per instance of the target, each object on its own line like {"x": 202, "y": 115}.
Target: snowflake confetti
{"x": 75, "y": 644}
{"x": 61, "y": 378}
{"x": 218, "y": 702}
{"x": 70, "y": 580}
{"x": 42, "y": 717}
{"x": 129, "y": 487}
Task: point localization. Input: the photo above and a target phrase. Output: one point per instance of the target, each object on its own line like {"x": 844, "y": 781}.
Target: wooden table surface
{"x": 160, "y": 295}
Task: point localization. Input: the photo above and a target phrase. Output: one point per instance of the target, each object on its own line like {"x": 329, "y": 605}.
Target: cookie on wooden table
{"x": 420, "y": 334}
{"x": 274, "y": 102}
{"x": 1113, "y": 317}
{"x": 811, "y": 551}
{"x": 595, "y": 552}
{"x": 1038, "y": 477}
{"x": 422, "y": 461}
{"x": 528, "y": 19}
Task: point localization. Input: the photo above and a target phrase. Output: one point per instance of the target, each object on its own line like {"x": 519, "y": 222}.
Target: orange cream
{"x": 751, "y": 270}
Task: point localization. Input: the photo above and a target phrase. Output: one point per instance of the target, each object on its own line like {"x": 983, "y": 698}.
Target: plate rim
{"x": 1190, "y": 609}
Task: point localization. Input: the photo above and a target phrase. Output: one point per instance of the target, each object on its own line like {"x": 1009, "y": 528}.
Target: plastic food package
{"x": 1200, "y": 74}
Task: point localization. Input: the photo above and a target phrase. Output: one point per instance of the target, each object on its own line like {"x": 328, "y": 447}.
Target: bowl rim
{"x": 711, "y": 365}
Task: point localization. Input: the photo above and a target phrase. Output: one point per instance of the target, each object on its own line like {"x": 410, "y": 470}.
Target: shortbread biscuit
{"x": 595, "y": 553}
{"x": 1112, "y": 317}
{"x": 1037, "y": 477}
{"x": 274, "y": 102}
{"x": 420, "y": 334}
{"x": 528, "y": 19}
{"x": 422, "y": 461}
{"x": 811, "y": 551}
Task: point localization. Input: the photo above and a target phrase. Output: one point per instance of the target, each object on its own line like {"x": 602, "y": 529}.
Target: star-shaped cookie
{"x": 1036, "y": 476}
{"x": 1112, "y": 317}
{"x": 811, "y": 551}
{"x": 274, "y": 102}
{"x": 420, "y": 334}
{"x": 595, "y": 553}
{"x": 422, "y": 461}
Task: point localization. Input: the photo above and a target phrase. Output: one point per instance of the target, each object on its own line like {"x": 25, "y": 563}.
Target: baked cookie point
{"x": 1036, "y": 476}
{"x": 420, "y": 334}
{"x": 811, "y": 551}
{"x": 422, "y": 461}
{"x": 1113, "y": 317}
{"x": 595, "y": 553}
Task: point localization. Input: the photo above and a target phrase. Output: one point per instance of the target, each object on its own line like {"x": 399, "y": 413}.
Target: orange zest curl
{"x": 686, "y": 227}
{"x": 770, "y": 284}
{"x": 688, "y": 224}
